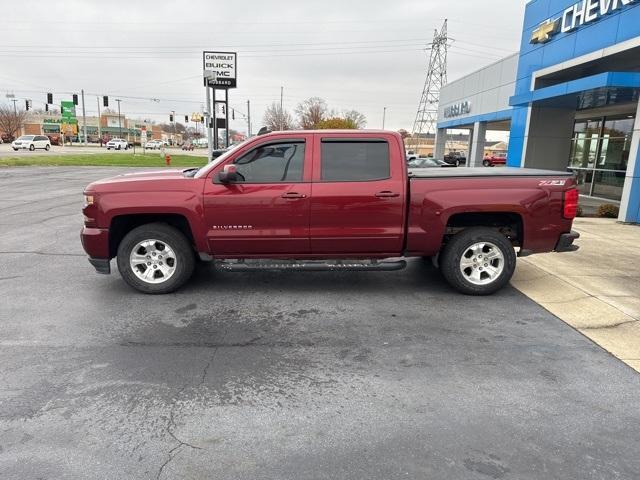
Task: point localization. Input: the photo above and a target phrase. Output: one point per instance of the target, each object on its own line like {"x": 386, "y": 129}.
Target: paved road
{"x": 7, "y": 151}
{"x": 287, "y": 376}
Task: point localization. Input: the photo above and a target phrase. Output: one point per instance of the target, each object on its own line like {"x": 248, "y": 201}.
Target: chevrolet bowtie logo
{"x": 545, "y": 31}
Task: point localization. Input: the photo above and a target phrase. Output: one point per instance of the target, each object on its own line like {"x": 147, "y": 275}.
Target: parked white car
{"x": 117, "y": 144}
{"x": 153, "y": 145}
{"x": 31, "y": 142}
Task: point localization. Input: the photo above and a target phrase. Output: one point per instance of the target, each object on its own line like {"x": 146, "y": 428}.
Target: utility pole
{"x": 248, "y": 118}
{"x": 119, "y": 121}
{"x": 226, "y": 117}
{"x": 173, "y": 115}
{"x": 384, "y": 116}
{"x": 84, "y": 119}
{"x": 15, "y": 109}
{"x": 99, "y": 127}
{"x": 207, "y": 120}
{"x": 281, "y": 108}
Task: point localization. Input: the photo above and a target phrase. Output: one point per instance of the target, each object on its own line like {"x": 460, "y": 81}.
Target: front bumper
{"x": 565, "y": 243}
{"x": 95, "y": 242}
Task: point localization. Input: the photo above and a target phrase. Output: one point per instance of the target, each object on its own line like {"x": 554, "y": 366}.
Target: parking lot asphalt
{"x": 348, "y": 375}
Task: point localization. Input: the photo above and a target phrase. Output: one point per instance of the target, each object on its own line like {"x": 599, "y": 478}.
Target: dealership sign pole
{"x": 220, "y": 72}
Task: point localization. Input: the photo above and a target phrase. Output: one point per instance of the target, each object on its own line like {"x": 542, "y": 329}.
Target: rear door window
{"x": 354, "y": 160}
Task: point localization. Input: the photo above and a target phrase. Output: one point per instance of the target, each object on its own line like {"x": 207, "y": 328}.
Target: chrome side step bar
{"x": 311, "y": 265}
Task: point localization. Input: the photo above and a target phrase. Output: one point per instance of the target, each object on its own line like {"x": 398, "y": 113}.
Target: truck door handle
{"x": 293, "y": 195}
{"x": 387, "y": 194}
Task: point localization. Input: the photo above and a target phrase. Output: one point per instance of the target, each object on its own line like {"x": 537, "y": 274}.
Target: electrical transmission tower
{"x": 427, "y": 115}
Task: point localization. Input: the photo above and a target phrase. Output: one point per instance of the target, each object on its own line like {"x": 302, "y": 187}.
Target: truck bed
{"x": 418, "y": 173}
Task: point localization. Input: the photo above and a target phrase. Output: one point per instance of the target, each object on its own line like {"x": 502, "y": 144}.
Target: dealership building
{"x": 569, "y": 99}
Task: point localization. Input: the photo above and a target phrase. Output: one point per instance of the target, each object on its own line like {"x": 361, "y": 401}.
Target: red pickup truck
{"x": 326, "y": 200}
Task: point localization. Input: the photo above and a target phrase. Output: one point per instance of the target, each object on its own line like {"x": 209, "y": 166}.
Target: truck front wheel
{"x": 155, "y": 258}
{"x": 478, "y": 261}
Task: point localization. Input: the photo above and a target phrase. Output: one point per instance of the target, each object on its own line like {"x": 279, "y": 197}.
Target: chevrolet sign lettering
{"x": 579, "y": 14}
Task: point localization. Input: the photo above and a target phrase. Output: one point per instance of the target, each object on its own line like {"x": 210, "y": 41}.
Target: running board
{"x": 311, "y": 265}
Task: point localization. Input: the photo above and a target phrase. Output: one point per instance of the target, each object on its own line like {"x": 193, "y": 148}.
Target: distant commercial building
{"x": 569, "y": 99}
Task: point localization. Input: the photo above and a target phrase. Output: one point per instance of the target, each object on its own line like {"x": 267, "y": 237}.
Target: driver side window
{"x": 272, "y": 163}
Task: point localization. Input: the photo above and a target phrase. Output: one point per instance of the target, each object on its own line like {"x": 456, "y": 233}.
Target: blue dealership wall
{"x": 614, "y": 28}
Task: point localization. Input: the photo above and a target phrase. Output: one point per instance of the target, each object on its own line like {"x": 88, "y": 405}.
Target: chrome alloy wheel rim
{"x": 153, "y": 261}
{"x": 482, "y": 263}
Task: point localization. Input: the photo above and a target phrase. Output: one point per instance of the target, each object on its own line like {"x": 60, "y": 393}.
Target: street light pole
{"x": 99, "y": 127}
{"x": 384, "y": 116}
{"x": 84, "y": 119}
{"x": 119, "y": 121}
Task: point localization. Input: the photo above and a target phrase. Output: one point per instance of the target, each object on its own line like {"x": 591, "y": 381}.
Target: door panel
{"x": 255, "y": 217}
{"x": 357, "y": 217}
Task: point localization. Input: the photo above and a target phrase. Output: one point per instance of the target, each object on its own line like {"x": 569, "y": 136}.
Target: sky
{"x": 361, "y": 54}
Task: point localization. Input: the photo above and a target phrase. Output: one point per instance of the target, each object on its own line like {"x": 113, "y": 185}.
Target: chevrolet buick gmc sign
{"x": 219, "y": 69}
{"x": 457, "y": 109}
{"x": 577, "y": 15}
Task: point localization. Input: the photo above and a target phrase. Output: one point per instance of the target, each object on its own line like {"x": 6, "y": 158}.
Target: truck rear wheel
{"x": 478, "y": 261}
{"x": 155, "y": 258}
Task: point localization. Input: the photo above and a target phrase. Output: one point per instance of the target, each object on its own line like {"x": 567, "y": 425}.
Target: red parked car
{"x": 326, "y": 200}
{"x": 496, "y": 159}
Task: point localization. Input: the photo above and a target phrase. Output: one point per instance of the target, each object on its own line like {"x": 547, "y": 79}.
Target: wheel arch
{"x": 123, "y": 224}
{"x": 510, "y": 224}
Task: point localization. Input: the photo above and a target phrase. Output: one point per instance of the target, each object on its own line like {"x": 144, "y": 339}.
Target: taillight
{"x": 570, "y": 204}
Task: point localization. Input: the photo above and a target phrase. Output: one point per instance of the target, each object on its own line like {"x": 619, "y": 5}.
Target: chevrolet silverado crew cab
{"x": 326, "y": 200}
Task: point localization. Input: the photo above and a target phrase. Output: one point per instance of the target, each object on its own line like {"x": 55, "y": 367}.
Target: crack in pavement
{"x": 604, "y": 327}
{"x": 171, "y": 424}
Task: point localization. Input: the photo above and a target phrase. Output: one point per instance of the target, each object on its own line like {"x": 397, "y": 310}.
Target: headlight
{"x": 88, "y": 200}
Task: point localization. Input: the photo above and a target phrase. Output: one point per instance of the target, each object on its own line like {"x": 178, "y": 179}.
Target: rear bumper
{"x": 565, "y": 243}
{"x": 102, "y": 265}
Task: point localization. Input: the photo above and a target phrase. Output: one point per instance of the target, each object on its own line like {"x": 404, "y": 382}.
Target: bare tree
{"x": 11, "y": 121}
{"x": 311, "y": 112}
{"x": 359, "y": 120}
{"x": 276, "y": 119}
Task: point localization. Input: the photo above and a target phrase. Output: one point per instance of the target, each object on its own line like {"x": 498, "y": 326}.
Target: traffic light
{"x": 171, "y": 117}
{"x": 105, "y": 101}
{"x": 186, "y": 119}
{"x": 202, "y": 120}
{"x": 27, "y": 104}
{"x": 50, "y": 98}
{"x": 75, "y": 99}
{"x": 46, "y": 107}
{"x": 233, "y": 114}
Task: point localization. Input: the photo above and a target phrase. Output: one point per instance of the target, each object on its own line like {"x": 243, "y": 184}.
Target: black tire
{"x": 32, "y": 147}
{"x": 451, "y": 256}
{"x": 15, "y": 149}
{"x": 184, "y": 257}
{"x": 47, "y": 148}
{"x": 486, "y": 163}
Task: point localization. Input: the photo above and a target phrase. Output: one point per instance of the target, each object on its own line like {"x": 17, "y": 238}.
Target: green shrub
{"x": 607, "y": 210}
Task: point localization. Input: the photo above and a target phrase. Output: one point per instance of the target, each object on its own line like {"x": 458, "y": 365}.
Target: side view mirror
{"x": 229, "y": 174}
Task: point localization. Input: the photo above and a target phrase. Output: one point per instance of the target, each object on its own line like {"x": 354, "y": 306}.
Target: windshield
{"x": 217, "y": 161}
{"x": 26, "y": 137}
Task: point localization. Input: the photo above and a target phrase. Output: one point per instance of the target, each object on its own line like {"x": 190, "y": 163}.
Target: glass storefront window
{"x": 614, "y": 153}
{"x": 608, "y": 184}
{"x": 584, "y": 151}
{"x": 600, "y": 151}
{"x": 619, "y": 127}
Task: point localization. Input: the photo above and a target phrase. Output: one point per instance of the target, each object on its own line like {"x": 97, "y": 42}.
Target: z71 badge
{"x": 552, "y": 183}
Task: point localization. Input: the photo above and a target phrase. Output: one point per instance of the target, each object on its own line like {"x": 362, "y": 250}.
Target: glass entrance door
{"x": 599, "y": 154}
